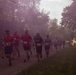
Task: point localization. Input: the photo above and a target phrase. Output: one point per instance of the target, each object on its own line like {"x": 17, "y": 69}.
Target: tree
{"x": 69, "y": 16}
{"x": 58, "y": 31}
{"x": 18, "y": 15}
{"x": 53, "y": 28}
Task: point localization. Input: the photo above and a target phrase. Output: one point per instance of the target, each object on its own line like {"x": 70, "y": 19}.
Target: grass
{"x": 63, "y": 63}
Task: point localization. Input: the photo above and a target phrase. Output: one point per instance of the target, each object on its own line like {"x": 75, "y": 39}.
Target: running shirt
{"x": 16, "y": 38}
{"x": 55, "y": 41}
{"x": 60, "y": 42}
{"x": 63, "y": 42}
{"x": 38, "y": 41}
{"x": 47, "y": 42}
{"x": 8, "y": 40}
{"x": 26, "y": 39}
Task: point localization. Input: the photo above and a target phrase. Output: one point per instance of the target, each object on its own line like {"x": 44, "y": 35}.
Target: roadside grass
{"x": 63, "y": 63}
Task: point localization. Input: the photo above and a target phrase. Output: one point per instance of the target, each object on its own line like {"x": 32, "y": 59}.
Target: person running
{"x": 47, "y": 43}
{"x": 26, "y": 40}
{"x": 63, "y": 43}
{"x": 38, "y": 43}
{"x": 56, "y": 43}
{"x": 8, "y": 46}
{"x": 60, "y": 43}
{"x": 16, "y": 43}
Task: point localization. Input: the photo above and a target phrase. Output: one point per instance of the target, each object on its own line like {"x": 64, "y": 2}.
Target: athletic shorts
{"x": 16, "y": 47}
{"x": 8, "y": 49}
{"x": 39, "y": 49}
{"x": 47, "y": 47}
{"x": 55, "y": 44}
{"x": 26, "y": 48}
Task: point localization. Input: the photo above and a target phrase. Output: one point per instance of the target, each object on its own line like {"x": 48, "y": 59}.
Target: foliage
{"x": 56, "y": 30}
{"x": 69, "y": 16}
{"x": 18, "y": 15}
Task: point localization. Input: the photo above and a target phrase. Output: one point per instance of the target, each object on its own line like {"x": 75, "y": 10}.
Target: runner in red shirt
{"x": 26, "y": 40}
{"x": 8, "y": 46}
{"x": 16, "y": 38}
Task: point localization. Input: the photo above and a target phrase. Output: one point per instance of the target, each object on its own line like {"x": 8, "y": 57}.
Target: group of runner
{"x": 11, "y": 43}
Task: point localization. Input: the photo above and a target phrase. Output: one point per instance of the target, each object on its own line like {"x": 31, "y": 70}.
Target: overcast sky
{"x": 55, "y": 7}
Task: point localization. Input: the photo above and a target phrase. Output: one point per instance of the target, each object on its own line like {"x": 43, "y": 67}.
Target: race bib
{"x": 47, "y": 44}
{"x": 25, "y": 42}
{"x": 14, "y": 38}
{"x": 38, "y": 44}
{"x": 8, "y": 44}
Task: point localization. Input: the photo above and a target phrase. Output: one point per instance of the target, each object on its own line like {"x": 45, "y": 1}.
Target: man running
{"x": 56, "y": 43}
{"x": 38, "y": 43}
{"x": 26, "y": 40}
{"x": 8, "y": 46}
{"x": 16, "y": 43}
{"x": 60, "y": 43}
{"x": 63, "y": 43}
{"x": 47, "y": 44}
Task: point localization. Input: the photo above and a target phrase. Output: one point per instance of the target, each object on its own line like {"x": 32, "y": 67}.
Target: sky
{"x": 55, "y": 7}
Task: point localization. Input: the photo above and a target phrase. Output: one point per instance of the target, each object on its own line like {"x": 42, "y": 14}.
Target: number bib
{"x": 14, "y": 38}
{"x": 25, "y": 42}
{"x": 38, "y": 44}
{"x": 47, "y": 44}
{"x": 8, "y": 44}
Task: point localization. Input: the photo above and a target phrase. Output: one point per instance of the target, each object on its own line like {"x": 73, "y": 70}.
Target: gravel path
{"x": 18, "y": 63}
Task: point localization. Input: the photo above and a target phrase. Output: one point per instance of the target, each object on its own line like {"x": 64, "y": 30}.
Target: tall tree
{"x": 56, "y": 30}
{"x": 22, "y": 14}
{"x": 69, "y": 16}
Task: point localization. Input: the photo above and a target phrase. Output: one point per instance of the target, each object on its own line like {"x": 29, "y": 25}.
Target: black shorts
{"x": 8, "y": 49}
{"x": 47, "y": 47}
{"x": 27, "y": 47}
{"x": 16, "y": 47}
{"x": 55, "y": 44}
{"x": 39, "y": 49}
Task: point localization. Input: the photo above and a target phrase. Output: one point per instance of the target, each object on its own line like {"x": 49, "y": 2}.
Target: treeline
{"x": 19, "y": 15}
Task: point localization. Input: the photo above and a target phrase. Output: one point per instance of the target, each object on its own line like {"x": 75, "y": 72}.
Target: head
{"x": 37, "y": 34}
{"x": 7, "y": 32}
{"x": 47, "y": 36}
{"x": 26, "y": 31}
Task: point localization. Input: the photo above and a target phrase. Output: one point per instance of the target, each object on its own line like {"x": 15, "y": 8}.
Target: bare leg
{"x": 18, "y": 52}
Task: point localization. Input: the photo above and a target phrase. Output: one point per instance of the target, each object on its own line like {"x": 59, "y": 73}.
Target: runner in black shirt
{"x": 38, "y": 43}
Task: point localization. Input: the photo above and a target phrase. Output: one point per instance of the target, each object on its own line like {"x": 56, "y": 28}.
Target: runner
{"x": 47, "y": 44}
{"x": 63, "y": 43}
{"x": 38, "y": 43}
{"x": 16, "y": 43}
{"x": 8, "y": 46}
{"x": 56, "y": 43}
{"x": 60, "y": 43}
{"x": 26, "y": 39}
